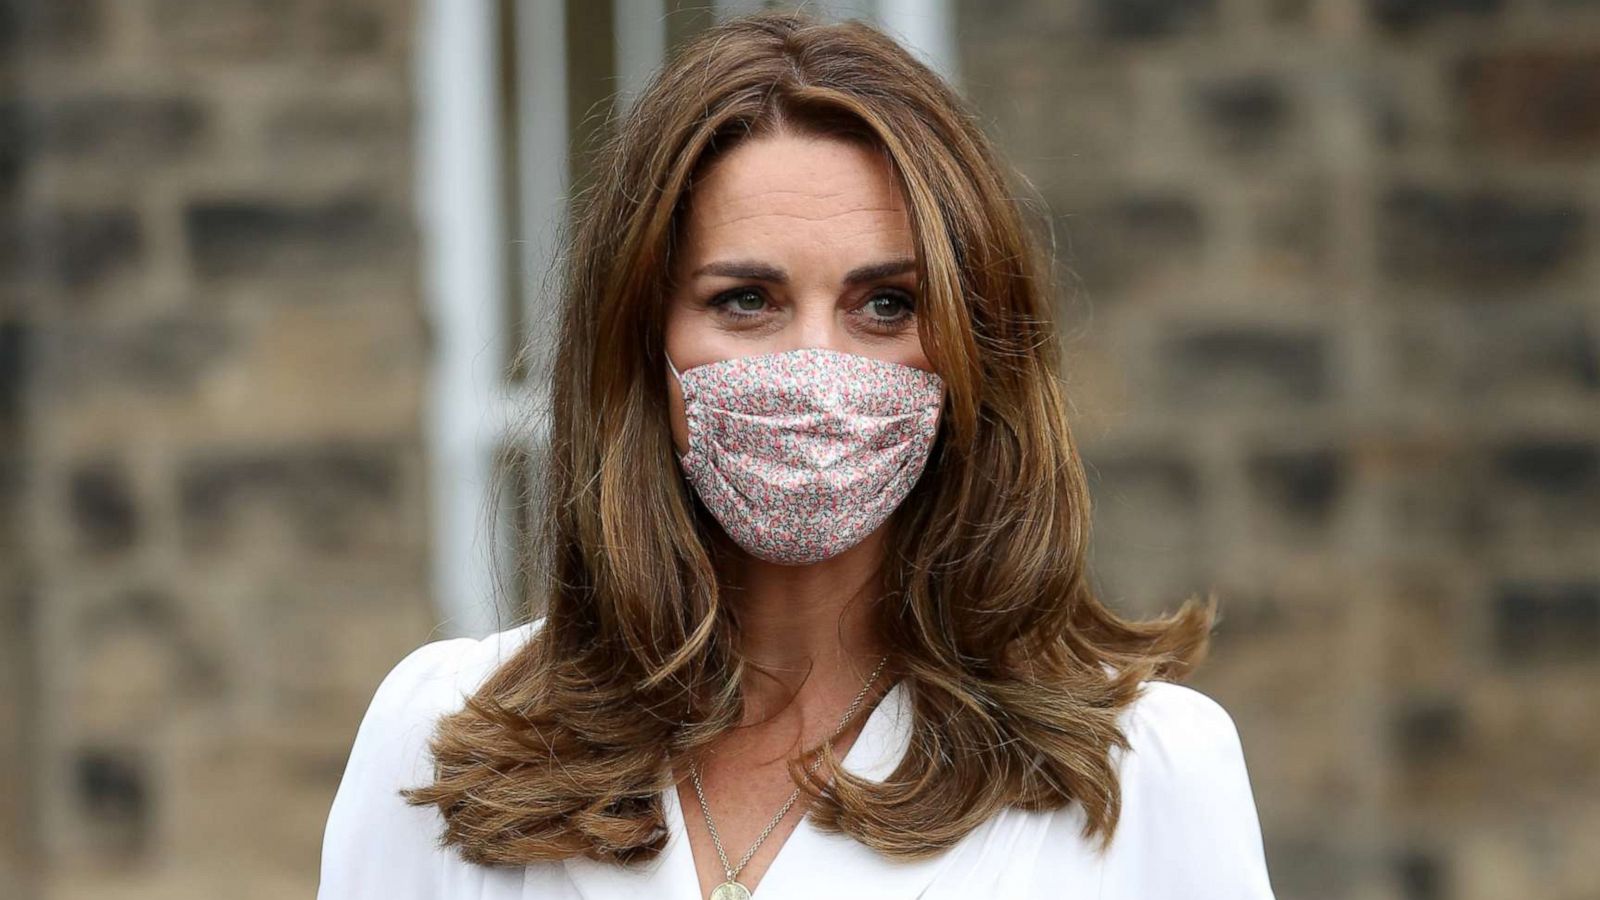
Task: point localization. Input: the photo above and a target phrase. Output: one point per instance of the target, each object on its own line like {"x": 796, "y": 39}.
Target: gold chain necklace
{"x": 732, "y": 889}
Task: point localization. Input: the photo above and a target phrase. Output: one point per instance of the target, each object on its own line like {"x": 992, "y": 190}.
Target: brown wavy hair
{"x": 1015, "y": 671}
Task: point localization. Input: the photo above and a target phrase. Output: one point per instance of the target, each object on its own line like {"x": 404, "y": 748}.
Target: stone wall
{"x": 1332, "y": 281}
{"x": 211, "y": 363}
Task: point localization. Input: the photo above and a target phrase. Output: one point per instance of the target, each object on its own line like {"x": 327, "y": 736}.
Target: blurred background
{"x": 1332, "y": 301}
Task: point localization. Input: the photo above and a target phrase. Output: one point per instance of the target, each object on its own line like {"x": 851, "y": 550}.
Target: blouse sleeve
{"x": 375, "y": 845}
{"x": 1189, "y": 827}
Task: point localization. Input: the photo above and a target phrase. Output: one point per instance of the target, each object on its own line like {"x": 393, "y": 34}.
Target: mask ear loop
{"x": 676, "y": 374}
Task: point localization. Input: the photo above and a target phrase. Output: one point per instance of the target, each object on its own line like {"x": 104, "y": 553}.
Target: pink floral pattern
{"x": 801, "y": 454}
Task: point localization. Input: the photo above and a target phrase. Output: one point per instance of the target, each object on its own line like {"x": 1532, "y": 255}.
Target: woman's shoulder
{"x": 1181, "y": 725}
{"x": 440, "y": 672}
{"x": 1188, "y": 825}
{"x": 373, "y": 839}
{"x": 431, "y": 681}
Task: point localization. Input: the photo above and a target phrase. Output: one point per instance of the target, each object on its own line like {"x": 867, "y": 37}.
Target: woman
{"x": 816, "y": 615}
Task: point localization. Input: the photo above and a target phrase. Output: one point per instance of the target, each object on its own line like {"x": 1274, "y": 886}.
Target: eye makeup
{"x": 726, "y": 303}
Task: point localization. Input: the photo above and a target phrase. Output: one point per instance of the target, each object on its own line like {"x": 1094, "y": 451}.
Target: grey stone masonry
{"x": 1332, "y": 290}
{"x": 212, "y": 357}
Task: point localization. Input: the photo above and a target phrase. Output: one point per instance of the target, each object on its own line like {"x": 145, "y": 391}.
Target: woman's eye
{"x": 882, "y": 310}
{"x": 890, "y": 306}
{"x": 742, "y": 302}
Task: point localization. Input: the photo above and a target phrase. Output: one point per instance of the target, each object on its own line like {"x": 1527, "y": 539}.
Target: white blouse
{"x": 1188, "y": 827}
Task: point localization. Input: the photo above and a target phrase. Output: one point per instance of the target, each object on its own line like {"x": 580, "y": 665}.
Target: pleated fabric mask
{"x": 801, "y": 454}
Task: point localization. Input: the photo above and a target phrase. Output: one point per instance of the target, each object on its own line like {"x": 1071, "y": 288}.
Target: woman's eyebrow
{"x": 760, "y": 271}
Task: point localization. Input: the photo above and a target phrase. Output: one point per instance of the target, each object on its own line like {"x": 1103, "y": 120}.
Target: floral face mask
{"x": 801, "y": 454}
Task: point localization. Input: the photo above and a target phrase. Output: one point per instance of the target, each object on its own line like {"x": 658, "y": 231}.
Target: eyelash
{"x": 721, "y": 301}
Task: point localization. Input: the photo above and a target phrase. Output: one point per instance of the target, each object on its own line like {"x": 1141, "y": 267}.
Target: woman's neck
{"x": 812, "y": 627}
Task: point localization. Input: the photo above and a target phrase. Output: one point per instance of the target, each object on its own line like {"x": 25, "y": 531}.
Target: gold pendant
{"x": 730, "y": 890}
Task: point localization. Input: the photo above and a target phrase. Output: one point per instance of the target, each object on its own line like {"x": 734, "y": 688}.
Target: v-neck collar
{"x": 809, "y": 863}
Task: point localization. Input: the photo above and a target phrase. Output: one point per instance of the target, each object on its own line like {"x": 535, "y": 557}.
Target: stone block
{"x": 1543, "y": 493}
{"x": 259, "y": 236}
{"x": 318, "y": 499}
{"x": 1428, "y": 727}
{"x": 1291, "y": 233}
{"x": 1243, "y": 114}
{"x": 1244, "y": 364}
{"x": 1407, "y": 16}
{"x": 1543, "y": 622}
{"x": 117, "y": 129}
{"x": 161, "y": 357}
{"x": 60, "y": 28}
{"x": 144, "y": 660}
{"x": 14, "y": 477}
{"x": 1148, "y": 543}
{"x": 1422, "y": 874}
{"x": 1477, "y": 242}
{"x": 1517, "y": 353}
{"x": 1137, "y": 20}
{"x": 1139, "y": 243}
{"x": 355, "y": 28}
{"x": 1543, "y": 101}
{"x": 230, "y": 31}
{"x": 103, "y": 506}
{"x": 1557, "y": 467}
{"x": 366, "y": 127}
{"x": 114, "y": 796}
{"x": 16, "y": 371}
{"x": 1298, "y": 488}
{"x": 1431, "y": 490}
{"x": 14, "y": 149}
{"x": 85, "y": 249}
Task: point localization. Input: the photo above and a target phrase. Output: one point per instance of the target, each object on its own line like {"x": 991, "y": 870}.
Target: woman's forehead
{"x": 799, "y": 178}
